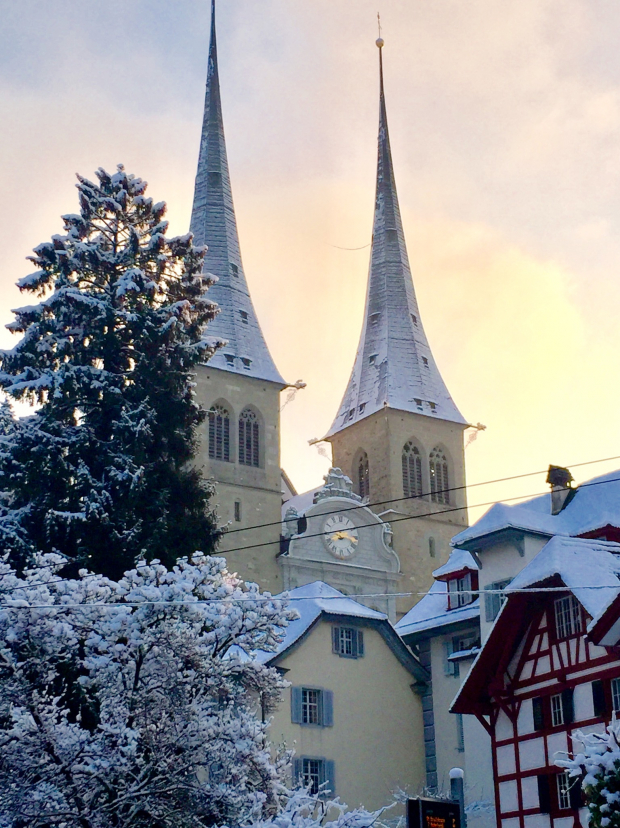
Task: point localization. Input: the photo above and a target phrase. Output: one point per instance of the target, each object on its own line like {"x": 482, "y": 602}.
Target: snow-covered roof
{"x": 589, "y": 568}
{"x": 394, "y": 365}
{"x": 459, "y": 560}
{"x": 432, "y": 612}
{"x": 595, "y": 504}
{"x": 311, "y": 601}
{"x": 213, "y": 223}
{"x": 301, "y": 502}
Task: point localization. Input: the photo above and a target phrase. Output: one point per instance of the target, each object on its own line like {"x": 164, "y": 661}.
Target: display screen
{"x": 432, "y": 813}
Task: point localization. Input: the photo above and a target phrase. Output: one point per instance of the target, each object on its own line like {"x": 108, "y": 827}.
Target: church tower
{"x": 240, "y": 386}
{"x": 398, "y": 433}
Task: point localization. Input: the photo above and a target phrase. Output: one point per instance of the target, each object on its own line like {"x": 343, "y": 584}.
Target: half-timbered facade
{"x": 540, "y": 677}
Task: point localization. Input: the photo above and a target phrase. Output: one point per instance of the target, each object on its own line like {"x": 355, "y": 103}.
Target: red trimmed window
{"x": 462, "y": 590}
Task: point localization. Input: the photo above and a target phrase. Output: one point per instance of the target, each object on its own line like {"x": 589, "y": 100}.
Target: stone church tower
{"x": 240, "y": 387}
{"x": 398, "y": 433}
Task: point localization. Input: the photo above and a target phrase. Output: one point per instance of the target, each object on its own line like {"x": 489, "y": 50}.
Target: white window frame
{"x": 563, "y": 783}
{"x": 311, "y": 706}
{"x": 567, "y": 616}
{"x": 460, "y": 592}
{"x": 615, "y": 694}
{"x": 557, "y": 710}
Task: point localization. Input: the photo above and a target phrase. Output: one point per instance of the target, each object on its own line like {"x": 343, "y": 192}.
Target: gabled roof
{"x": 431, "y": 613}
{"x": 318, "y": 601}
{"x": 595, "y": 505}
{"x": 213, "y": 223}
{"x": 459, "y": 561}
{"x": 394, "y": 365}
{"x": 590, "y": 569}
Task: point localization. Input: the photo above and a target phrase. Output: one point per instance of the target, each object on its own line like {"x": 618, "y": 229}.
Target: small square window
{"x": 230, "y": 359}
{"x": 348, "y": 642}
{"x": 425, "y": 361}
{"x": 351, "y": 414}
{"x": 362, "y": 407}
{"x": 244, "y": 316}
{"x": 374, "y": 318}
{"x": 557, "y": 710}
{"x": 414, "y": 319}
{"x": 234, "y": 269}
{"x": 247, "y": 362}
{"x": 372, "y": 359}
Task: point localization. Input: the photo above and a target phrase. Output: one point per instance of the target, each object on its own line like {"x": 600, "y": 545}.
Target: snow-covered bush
{"x": 101, "y": 471}
{"x": 595, "y": 765}
{"x": 133, "y": 702}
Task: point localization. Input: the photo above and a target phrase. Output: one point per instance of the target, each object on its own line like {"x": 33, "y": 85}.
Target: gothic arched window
{"x": 219, "y": 433}
{"x": 412, "y": 470}
{"x": 438, "y": 470}
{"x": 249, "y": 431}
{"x": 362, "y": 476}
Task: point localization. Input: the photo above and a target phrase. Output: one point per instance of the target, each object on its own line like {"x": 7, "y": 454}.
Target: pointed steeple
{"x": 394, "y": 366}
{"x": 214, "y": 224}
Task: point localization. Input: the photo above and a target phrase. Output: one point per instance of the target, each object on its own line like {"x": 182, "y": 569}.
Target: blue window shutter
{"x": 327, "y": 698}
{"x": 360, "y": 643}
{"x": 335, "y": 639}
{"x": 330, "y": 777}
{"x": 489, "y": 604}
{"x": 298, "y": 772}
{"x": 296, "y": 705}
{"x": 448, "y": 666}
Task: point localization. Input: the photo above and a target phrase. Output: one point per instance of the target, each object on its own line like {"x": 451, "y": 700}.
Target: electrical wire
{"x": 372, "y": 504}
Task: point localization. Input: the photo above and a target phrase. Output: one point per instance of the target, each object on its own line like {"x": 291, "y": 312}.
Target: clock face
{"x": 340, "y": 536}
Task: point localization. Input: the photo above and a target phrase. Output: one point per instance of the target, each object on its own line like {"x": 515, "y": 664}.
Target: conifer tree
{"x": 101, "y": 472}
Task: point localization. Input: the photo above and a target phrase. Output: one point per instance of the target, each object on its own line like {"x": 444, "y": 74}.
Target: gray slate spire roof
{"x": 214, "y": 224}
{"x": 394, "y": 366}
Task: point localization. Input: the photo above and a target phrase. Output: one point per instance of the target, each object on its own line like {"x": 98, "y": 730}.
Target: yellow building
{"x": 353, "y": 711}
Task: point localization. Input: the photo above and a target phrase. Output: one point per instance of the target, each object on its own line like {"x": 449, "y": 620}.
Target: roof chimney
{"x": 562, "y": 491}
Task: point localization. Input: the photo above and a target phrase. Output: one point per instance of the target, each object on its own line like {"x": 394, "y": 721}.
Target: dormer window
{"x": 414, "y": 319}
{"x": 425, "y": 361}
{"x": 244, "y": 316}
{"x": 374, "y": 318}
{"x": 362, "y": 407}
{"x": 372, "y": 359}
{"x": 234, "y": 269}
{"x": 567, "y": 617}
{"x": 247, "y": 362}
{"x": 230, "y": 359}
{"x": 461, "y": 591}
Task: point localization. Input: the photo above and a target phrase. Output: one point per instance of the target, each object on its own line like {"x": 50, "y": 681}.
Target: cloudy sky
{"x": 505, "y": 127}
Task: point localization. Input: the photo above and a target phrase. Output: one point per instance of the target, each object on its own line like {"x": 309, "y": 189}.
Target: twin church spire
{"x": 213, "y": 223}
{"x": 394, "y": 366}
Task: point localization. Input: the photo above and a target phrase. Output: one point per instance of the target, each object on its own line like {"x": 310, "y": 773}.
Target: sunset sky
{"x": 505, "y": 127}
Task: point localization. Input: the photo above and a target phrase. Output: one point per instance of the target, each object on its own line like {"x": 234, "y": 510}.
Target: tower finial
{"x": 379, "y": 40}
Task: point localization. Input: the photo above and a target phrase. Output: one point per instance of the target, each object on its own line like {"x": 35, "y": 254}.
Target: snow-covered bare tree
{"x": 100, "y": 472}
{"x": 133, "y": 702}
{"x": 595, "y": 768}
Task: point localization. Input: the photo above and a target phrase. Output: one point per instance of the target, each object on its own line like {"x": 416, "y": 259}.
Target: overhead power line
{"x": 424, "y": 495}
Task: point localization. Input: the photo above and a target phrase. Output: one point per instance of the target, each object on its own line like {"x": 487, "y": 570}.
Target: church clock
{"x": 340, "y": 536}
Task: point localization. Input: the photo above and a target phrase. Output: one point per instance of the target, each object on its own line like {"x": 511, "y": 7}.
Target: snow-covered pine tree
{"x": 595, "y": 767}
{"x": 100, "y": 472}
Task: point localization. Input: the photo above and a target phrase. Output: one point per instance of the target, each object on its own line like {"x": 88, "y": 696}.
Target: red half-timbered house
{"x": 543, "y": 673}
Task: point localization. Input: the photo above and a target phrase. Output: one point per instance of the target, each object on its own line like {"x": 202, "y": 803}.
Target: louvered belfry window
{"x": 438, "y": 470}
{"x": 219, "y": 433}
{"x": 363, "y": 476}
{"x": 412, "y": 470}
{"x": 249, "y": 433}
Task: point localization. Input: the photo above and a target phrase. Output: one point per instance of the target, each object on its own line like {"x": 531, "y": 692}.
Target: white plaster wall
{"x": 525, "y": 719}
{"x": 502, "y": 561}
{"x": 532, "y": 754}
{"x": 503, "y": 727}
{"x": 508, "y": 796}
{"x": 538, "y": 820}
{"x": 476, "y": 759}
{"x": 529, "y": 792}
{"x": 506, "y": 760}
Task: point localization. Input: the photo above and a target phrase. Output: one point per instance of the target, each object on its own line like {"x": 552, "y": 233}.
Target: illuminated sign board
{"x": 432, "y": 813}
